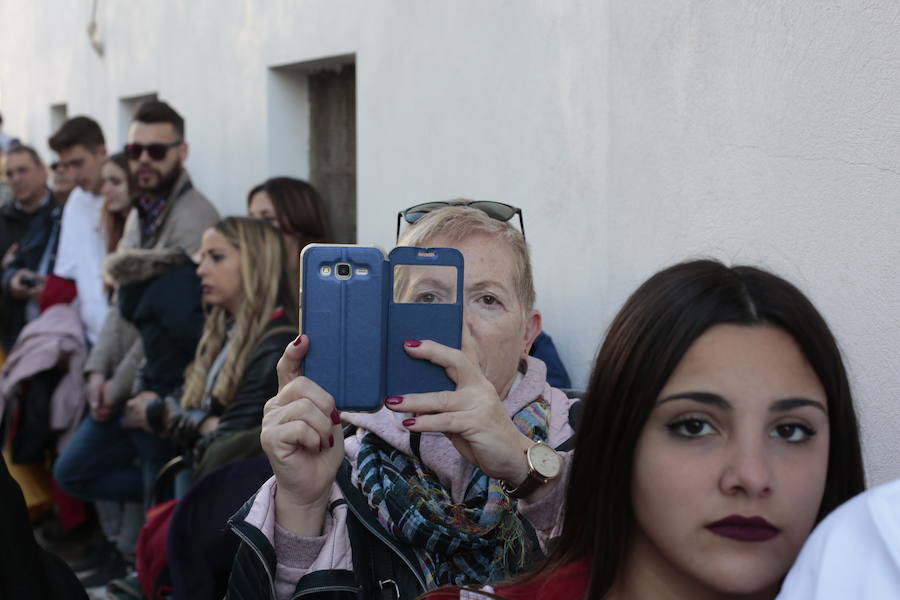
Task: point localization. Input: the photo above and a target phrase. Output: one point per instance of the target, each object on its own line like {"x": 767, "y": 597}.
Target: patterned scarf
{"x": 151, "y": 209}
{"x": 480, "y": 539}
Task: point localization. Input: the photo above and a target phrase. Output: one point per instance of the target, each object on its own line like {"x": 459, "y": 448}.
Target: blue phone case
{"x": 439, "y": 322}
{"x": 345, "y": 320}
{"x": 356, "y": 330}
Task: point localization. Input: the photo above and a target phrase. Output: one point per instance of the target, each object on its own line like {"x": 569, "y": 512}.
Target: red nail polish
{"x": 409, "y": 422}
{"x": 335, "y": 417}
{"x": 394, "y": 400}
{"x": 331, "y": 441}
{"x": 412, "y": 343}
{"x": 297, "y": 341}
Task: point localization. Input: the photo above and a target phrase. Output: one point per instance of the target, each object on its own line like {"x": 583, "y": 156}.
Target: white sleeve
{"x": 67, "y": 253}
{"x": 853, "y": 553}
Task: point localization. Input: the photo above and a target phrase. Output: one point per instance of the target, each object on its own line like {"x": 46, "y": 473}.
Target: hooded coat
{"x": 159, "y": 293}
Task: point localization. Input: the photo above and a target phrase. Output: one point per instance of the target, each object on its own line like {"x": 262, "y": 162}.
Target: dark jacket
{"x": 384, "y": 569}
{"x": 27, "y": 571}
{"x": 159, "y": 293}
{"x": 118, "y": 351}
{"x": 14, "y": 223}
{"x": 43, "y": 228}
{"x": 544, "y": 349}
{"x": 258, "y": 384}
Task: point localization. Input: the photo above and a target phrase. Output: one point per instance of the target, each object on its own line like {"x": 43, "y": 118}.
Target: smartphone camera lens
{"x": 343, "y": 270}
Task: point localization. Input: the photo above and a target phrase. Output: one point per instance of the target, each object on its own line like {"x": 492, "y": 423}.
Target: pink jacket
{"x": 54, "y": 339}
{"x": 298, "y": 555}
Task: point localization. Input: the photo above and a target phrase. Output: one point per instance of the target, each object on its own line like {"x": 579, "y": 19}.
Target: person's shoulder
{"x": 7, "y": 209}
{"x": 880, "y": 505}
{"x": 80, "y": 200}
{"x": 191, "y": 196}
{"x": 854, "y": 550}
{"x": 278, "y": 332}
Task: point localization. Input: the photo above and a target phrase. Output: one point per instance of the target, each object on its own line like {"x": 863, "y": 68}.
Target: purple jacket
{"x": 298, "y": 555}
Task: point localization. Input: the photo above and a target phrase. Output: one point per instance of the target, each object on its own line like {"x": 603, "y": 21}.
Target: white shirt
{"x": 854, "y": 553}
{"x": 82, "y": 247}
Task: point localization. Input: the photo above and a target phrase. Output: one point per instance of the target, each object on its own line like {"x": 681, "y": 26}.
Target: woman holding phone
{"x": 718, "y": 429}
{"x": 462, "y": 485}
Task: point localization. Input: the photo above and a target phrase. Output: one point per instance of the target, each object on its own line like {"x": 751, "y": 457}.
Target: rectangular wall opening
{"x": 59, "y": 114}
{"x": 312, "y": 133}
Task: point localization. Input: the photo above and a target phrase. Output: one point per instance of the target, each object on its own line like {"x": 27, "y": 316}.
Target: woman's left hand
{"x": 472, "y": 416}
{"x": 136, "y": 411}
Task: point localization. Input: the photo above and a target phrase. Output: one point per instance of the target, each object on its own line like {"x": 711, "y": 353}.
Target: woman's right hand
{"x": 301, "y": 435}
{"x": 97, "y": 401}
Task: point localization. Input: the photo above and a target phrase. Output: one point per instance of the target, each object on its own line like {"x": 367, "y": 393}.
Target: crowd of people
{"x": 153, "y": 366}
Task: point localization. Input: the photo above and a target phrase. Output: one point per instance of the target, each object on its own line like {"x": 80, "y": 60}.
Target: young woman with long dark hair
{"x": 718, "y": 428}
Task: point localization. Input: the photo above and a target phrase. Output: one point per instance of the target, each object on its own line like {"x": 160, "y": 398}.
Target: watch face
{"x": 545, "y": 460}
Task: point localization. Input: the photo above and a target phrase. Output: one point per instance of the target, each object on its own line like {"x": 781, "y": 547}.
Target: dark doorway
{"x": 332, "y": 145}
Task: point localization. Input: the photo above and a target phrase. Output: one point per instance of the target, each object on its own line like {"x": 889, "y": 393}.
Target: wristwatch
{"x": 544, "y": 465}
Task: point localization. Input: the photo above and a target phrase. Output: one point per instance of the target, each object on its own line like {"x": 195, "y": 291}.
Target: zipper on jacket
{"x": 259, "y": 555}
{"x": 389, "y": 544}
{"x": 327, "y": 588}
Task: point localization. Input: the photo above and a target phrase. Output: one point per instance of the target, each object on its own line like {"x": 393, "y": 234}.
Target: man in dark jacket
{"x": 33, "y": 204}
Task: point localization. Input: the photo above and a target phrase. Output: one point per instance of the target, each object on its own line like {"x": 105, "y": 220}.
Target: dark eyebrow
{"x": 702, "y": 397}
{"x": 783, "y": 405}
{"x": 792, "y": 403}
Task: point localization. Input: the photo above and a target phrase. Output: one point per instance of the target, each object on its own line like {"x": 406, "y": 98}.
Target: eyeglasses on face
{"x": 495, "y": 210}
{"x": 154, "y": 151}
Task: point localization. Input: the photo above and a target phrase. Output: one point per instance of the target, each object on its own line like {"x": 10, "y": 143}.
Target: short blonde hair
{"x": 456, "y": 223}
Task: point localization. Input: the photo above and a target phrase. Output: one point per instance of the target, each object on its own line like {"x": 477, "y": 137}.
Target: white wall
{"x": 634, "y": 133}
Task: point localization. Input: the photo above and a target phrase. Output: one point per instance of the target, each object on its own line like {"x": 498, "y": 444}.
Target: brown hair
{"x": 157, "y": 111}
{"x": 113, "y": 223}
{"x": 299, "y": 209}
{"x": 77, "y": 131}
{"x": 644, "y": 344}
{"x": 23, "y": 149}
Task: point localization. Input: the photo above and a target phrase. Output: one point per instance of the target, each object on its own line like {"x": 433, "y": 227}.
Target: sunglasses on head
{"x": 154, "y": 151}
{"x": 495, "y": 210}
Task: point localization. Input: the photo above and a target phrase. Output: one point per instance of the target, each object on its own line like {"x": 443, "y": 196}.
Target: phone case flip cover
{"x": 357, "y": 331}
{"x": 439, "y": 322}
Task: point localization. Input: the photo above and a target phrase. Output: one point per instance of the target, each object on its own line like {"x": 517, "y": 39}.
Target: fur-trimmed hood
{"x": 131, "y": 266}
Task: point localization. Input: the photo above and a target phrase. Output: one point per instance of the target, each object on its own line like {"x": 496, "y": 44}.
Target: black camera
{"x": 343, "y": 270}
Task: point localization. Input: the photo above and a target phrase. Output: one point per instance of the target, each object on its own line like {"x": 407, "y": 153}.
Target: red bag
{"x": 150, "y": 559}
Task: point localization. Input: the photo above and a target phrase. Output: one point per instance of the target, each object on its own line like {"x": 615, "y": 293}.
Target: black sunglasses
{"x": 495, "y": 210}
{"x": 154, "y": 151}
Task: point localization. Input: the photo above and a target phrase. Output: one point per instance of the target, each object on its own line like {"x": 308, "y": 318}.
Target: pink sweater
{"x": 298, "y": 555}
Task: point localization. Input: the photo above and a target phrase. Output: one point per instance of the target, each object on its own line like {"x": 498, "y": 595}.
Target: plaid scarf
{"x": 480, "y": 539}
{"x": 151, "y": 209}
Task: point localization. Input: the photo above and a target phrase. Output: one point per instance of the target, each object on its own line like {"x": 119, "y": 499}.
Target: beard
{"x": 160, "y": 183}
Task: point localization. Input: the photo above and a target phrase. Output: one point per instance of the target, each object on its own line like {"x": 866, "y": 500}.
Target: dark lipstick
{"x": 744, "y": 529}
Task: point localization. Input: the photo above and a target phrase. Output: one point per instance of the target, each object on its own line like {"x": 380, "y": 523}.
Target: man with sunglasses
{"x": 168, "y": 213}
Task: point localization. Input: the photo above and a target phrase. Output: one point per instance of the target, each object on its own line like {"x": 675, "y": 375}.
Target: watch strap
{"x": 533, "y": 480}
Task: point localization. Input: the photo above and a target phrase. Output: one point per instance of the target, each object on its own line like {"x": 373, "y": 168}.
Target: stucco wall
{"x": 634, "y": 133}
{"x": 768, "y": 133}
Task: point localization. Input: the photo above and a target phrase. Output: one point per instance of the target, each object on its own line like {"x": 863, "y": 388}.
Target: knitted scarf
{"x": 480, "y": 539}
